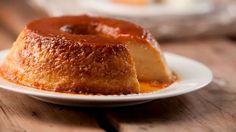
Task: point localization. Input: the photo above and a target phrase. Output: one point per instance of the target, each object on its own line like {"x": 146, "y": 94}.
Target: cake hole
{"x": 76, "y": 29}
{"x": 93, "y": 29}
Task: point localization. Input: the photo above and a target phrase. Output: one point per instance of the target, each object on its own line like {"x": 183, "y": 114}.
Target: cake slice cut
{"x": 150, "y": 64}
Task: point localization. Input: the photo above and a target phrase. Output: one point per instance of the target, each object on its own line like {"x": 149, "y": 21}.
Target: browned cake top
{"x": 89, "y": 30}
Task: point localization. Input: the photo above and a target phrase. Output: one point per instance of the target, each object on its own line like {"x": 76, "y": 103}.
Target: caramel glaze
{"x": 147, "y": 87}
{"x": 85, "y": 28}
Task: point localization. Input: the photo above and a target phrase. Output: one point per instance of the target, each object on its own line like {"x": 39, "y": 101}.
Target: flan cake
{"x": 84, "y": 54}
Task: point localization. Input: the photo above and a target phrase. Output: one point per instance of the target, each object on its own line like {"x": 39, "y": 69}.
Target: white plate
{"x": 193, "y": 76}
{"x": 193, "y": 7}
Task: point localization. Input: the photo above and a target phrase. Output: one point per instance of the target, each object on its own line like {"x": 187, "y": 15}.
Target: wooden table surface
{"x": 210, "y": 109}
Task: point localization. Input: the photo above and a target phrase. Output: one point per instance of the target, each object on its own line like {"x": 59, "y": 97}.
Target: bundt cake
{"x": 84, "y": 54}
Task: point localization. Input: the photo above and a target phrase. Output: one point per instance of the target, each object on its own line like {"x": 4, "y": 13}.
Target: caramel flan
{"x": 84, "y": 54}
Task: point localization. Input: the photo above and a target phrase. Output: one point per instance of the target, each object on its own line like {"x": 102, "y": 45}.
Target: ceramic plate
{"x": 194, "y": 7}
{"x": 193, "y": 76}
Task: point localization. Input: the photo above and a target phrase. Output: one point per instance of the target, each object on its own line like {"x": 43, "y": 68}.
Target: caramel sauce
{"x": 149, "y": 87}
{"x": 79, "y": 28}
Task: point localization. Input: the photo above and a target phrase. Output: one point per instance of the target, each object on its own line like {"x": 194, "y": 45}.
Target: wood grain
{"x": 209, "y": 109}
{"x": 22, "y": 113}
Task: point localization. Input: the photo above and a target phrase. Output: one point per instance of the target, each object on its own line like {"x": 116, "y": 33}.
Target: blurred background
{"x": 204, "y": 30}
{"x": 167, "y": 19}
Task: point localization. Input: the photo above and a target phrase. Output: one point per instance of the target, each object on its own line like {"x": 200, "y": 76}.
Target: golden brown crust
{"x": 59, "y": 63}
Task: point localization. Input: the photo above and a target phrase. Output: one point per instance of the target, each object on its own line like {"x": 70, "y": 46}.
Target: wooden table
{"x": 210, "y": 109}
